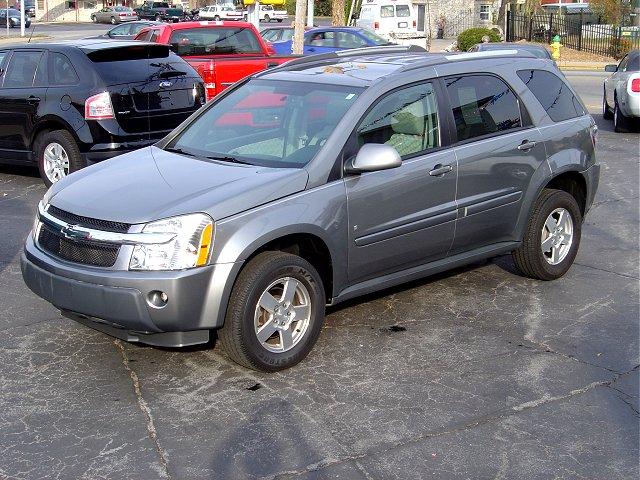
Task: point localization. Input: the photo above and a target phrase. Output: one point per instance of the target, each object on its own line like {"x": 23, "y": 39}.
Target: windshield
{"x": 268, "y": 123}
{"x": 375, "y": 39}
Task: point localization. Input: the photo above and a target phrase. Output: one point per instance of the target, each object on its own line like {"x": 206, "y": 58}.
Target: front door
{"x": 19, "y": 102}
{"x": 405, "y": 216}
{"x": 498, "y": 151}
{"x": 320, "y": 42}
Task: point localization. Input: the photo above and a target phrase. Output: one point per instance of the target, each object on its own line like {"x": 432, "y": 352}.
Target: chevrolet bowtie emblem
{"x": 71, "y": 233}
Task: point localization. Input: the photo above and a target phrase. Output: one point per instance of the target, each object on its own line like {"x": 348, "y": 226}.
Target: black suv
{"x": 68, "y": 105}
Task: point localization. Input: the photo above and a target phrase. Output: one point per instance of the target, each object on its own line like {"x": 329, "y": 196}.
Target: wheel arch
{"x": 49, "y": 124}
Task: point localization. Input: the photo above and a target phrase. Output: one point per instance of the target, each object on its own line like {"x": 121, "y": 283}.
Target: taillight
{"x": 376, "y": 25}
{"x": 635, "y": 85}
{"x": 209, "y": 77}
{"x": 98, "y": 107}
{"x": 414, "y": 24}
{"x": 122, "y": 14}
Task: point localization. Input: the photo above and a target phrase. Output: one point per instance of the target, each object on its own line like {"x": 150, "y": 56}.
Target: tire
{"x": 239, "y": 335}
{"x": 158, "y": 18}
{"x": 606, "y": 111}
{"x": 113, "y": 21}
{"x": 66, "y": 141}
{"x": 216, "y": 18}
{"x": 620, "y": 121}
{"x": 279, "y": 20}
{"x": 94, "y": 19}
{"x": 530, "y": 258}
{"x": 267, "y": 18}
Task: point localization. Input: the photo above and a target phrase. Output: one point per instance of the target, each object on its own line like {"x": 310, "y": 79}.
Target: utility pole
{"x": 22, "y": 18}
{"x": 310, "y": 13}
{"x": 298, "y": 27}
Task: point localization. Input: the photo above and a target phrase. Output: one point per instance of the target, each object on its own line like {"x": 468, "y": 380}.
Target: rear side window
{"x": 482, "y": 105}
{"x": 61, "y": 71}
{"x": 3, "y": 55}
{"x": 553, "y": 94}
{"x": 22, "y": 69}
{"x": 207, "y": 41}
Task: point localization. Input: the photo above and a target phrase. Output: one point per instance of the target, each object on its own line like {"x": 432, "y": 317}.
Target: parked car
{"x": 622, "y": 89}
{"x": 333, "y": 39}
{"x": 313, "y": 183}
{"x": 536, "y": 50}
{"x": 64, "y": 106}
{"x": 127, "y": 31}
{"x": 161, "y": 12}
{"x": 14, "y": 18}
{"x": 29, "y": 7}
{"x": 114, "y": 15}
{"x": 268, "y": 13}
{"x": 277, "y": 33}
{"x": 220, "y": 12}
{"x": 221, "y": 52}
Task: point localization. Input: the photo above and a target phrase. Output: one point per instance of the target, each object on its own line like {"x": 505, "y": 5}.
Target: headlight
{"x": 36, "y": 223}
{"x": 189, "y": 248}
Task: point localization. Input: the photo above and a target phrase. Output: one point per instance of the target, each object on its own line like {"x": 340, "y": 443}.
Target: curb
{"x": 586, "y": 66}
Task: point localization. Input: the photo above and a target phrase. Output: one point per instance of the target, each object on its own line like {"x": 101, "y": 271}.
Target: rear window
{"x": 553, "y": 94}
{"x": 136, "y": 64}
{"x": 212, "y": 41}
{"x": 403, "y": 11}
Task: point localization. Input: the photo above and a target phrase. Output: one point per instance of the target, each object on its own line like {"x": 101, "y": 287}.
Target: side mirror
{"x": 373, "y": 157}
{"x": 611, "y": 68}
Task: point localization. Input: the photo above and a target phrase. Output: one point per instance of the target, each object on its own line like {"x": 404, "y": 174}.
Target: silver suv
{"x": 310, "y": 184}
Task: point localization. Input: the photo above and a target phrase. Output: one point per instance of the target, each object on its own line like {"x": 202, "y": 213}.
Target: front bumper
{"x": 115, "y": 301}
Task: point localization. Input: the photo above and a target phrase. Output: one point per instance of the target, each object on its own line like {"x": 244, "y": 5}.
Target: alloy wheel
{"x": 282, "y": 315}
{"x": 56, "y": 162}
{"x": 557, "y": 236}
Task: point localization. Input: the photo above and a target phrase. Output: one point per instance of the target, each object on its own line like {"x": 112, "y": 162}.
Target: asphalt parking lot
{"x": 476, "y": 373}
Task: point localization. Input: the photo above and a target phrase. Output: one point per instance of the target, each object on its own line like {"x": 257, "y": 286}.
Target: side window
{"x": 3, "y": 55}
{"x": 553, "y": 94}
{"x": 154, "y": 35}
{"x": 350, "y": 40}
{"x": 22, "y": 69}
{"x": 482, "y": 105}
{"x": 41, "y": 79}
{"x": 321, "y": 39}
{"x": 61, "y": 71}
{"x": 144, "y": 37}
{"x": 622, "y": 66}
{"x": 406, "y": 119}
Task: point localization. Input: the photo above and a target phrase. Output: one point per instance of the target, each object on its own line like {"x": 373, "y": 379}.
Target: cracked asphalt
{"x": 476, "y": 373}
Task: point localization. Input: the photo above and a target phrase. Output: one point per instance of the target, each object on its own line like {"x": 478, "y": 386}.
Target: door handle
{"x": 32, "y": 99}
{"x": 439, "y": 170}
{"x": 272, "y": 64}
{"x": 311, "y": 49}
{"x": 526, "y": 145}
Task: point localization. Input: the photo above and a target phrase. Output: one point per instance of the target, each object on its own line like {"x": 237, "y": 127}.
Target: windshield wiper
{"x": 227, "y": 158}
{"x": 180, "y": 151}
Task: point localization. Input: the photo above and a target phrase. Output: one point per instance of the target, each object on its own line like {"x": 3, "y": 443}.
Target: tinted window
{"x": 3, "y": 55}
{"x": 320, "y": 39}
{"x": 22, "y": 69}
{"x": 482, "y": 105}
{"x": 145, "y": 36}
{"x": 553, "y": 94}
{"x": 205, "y": 41}
{"x": 406, "y": 119}
{"x": 61, "y": 71}
{"x": 123, "y": 29}
{"x": 634, "y": 63}
{"x": 270, "y": 123}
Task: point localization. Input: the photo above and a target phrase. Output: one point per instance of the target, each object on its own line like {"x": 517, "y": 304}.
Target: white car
{"x": 268, "y": 13}
{"x": 390, "y": 19}
{"x": 621, "y": 98}
{"x": 220, "y": 12}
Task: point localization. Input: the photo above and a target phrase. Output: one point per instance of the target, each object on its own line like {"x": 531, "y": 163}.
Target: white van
{"x": 391, "y": 19}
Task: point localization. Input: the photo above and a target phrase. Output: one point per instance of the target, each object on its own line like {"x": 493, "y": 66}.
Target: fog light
{"x": 157, "y": 299}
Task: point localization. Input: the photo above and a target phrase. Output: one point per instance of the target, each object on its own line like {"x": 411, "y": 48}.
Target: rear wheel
{"x": 620, "y": 121}
{"x": 158, "y": 18}
{"x": 94, "y": 19}
{"x": 267, "y": 18}
{"x": 552, "y": 237}
{"x": 113, "y": 20}
{"x": 606, "y": 111}
{"x": 275, "y": 313}
{"x": 279, "y": 20}
{"x": 217, "y": 18}
{"x": 58, "y": 156}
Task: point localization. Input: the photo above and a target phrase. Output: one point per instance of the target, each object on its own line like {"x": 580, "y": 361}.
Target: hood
{"x": 150, "y": 184}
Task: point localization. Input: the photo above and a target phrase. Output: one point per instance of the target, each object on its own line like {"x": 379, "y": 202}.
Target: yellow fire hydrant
{"x": 555, "y": 47}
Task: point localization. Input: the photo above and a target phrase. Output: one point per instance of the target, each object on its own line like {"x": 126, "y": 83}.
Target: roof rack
{"x": 354, "y": 52}
{"x": 439, "y": 59}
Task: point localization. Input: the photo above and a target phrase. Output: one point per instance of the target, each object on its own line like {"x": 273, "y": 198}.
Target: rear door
{"x": 498, "y": 150}
{"x": 19, "y": 102}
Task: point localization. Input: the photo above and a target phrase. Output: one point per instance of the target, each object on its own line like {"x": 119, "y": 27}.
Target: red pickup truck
{"x": 221, "y": 52}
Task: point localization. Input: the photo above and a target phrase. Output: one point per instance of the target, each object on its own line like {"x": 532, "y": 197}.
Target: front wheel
{"x": 279, "y": 20}
{"x": 58, "y": 156}
{"x": 94, "y": 19}
{"x": 158, "y": 18}
{"x": 216, "y": 18}
{"x": 267, "y": 18}
{"x": 113, "y": 20}
{"x": 552, "y": 237}
{"x": 275, "y": 313}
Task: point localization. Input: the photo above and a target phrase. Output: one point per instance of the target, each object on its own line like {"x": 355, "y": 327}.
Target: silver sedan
{"x": 114, "y": 15}
{"x": 621, "y": 97}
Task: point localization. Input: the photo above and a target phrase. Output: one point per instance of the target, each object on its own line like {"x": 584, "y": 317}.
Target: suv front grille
{"x": 77, "y": 251}
{"x": 87, "y": 222}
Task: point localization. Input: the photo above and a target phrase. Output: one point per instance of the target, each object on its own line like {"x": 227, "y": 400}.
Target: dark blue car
{"x": 333, "y": 39}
